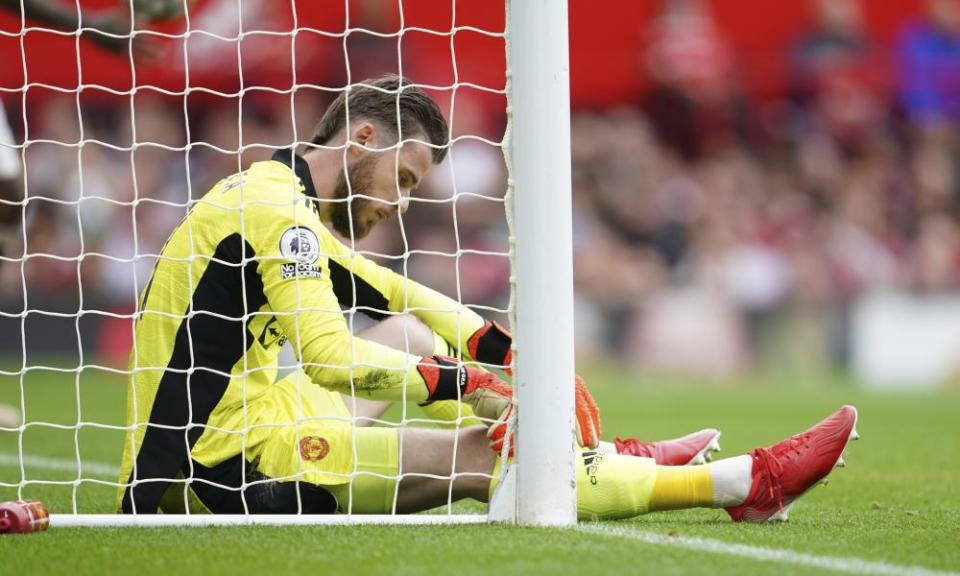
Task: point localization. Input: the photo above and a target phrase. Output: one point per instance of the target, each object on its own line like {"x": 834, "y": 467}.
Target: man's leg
{"x": 609, "y": 485}
{"x": 423, "y": 460}
{"x": 759, "y": 486}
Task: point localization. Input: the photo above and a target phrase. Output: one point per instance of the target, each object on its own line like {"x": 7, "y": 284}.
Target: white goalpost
{"x": 43, "y": 455}
{"x": 538, "y": 154}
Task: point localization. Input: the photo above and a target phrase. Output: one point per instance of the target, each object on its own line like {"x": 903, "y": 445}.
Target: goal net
{"x": 129, "y": 151}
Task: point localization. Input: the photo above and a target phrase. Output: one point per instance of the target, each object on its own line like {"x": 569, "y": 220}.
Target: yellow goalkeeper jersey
{"x": 250, "y": 266}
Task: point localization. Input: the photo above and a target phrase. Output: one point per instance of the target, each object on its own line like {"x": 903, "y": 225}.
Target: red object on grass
{"x": 691, "y": 449}
{"x": 785, "y": 471}
{"x": 18, "y": 516}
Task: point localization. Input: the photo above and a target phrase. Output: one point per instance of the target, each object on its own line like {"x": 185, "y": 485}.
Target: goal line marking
{"x": 12, "y": 460}
{"x": 849, "y": 564}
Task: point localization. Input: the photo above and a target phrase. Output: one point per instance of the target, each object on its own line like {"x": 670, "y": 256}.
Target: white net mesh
{"x": 110, "y": 153}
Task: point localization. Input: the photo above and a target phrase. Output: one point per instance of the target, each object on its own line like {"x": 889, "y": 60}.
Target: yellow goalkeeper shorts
{"x": 307, "y": 435}
{"x": 300, "y": 455}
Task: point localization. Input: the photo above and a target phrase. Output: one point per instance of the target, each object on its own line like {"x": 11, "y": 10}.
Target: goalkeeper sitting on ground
{"x": 253, "y": 265}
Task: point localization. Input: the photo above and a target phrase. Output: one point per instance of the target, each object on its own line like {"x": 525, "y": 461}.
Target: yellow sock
{"x": 447, "y": 411}
{"x": 611, "y": 486}
{"x": 681, "y": 487}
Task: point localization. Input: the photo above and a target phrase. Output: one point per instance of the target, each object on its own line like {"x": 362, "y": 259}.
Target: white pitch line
{"x": 12, "y": 460}
{"x": 850, "y": 565}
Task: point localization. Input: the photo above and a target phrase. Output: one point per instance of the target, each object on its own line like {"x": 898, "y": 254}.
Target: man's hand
{"x": 447, "y": 379}
{"x": 588, "y": 416}
{"x": 490, "y": 397}
{"x": 491, "y": 345}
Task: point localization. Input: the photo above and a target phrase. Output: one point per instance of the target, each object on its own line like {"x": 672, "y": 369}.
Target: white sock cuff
{"x": 732, "y": 479}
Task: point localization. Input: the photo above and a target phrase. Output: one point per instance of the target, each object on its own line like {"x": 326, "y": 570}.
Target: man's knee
{"x": 404, "y": 332}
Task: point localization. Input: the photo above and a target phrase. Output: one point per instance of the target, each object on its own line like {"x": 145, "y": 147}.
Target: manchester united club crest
{"x": 314, "y": 448}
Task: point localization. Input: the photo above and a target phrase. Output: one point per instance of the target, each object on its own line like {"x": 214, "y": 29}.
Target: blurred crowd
{"x": 713, "y": 229}
{"x": 745, "y": 230}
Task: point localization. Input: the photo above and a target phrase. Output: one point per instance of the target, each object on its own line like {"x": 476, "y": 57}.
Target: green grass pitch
{"x": 897, "y": 502}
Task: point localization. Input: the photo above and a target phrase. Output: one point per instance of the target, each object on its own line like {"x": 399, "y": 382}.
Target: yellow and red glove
{"x": 588, "y": 416}
{"x": 491, "y": 345}
{"x": 585, "y": 409}
{"x": 490, "y": 397}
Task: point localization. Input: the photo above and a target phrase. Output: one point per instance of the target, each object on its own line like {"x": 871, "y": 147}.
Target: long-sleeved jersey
{"x": 250, "y": 266}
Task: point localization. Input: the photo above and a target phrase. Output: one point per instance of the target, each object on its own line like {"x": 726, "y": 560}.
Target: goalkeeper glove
{"x": 491, "y": 345}
{"x": 446, "y": 379}
{"x": 585, "y": 409}
{"x": 490, "y": 397}
{"x": 588, "y": 416}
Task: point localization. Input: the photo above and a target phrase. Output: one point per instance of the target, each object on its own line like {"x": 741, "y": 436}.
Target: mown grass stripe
{"x": 12, "y": 460}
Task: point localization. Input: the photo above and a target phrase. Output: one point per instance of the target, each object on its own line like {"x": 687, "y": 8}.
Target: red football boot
{"x": 785, "y": 471}
{"x": 696, "y": 448}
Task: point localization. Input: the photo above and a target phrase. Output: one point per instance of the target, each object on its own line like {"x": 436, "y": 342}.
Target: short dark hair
{"x": 376, "y": 100}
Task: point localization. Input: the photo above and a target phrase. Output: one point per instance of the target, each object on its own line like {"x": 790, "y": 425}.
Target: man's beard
{"x": 343, "y": 210}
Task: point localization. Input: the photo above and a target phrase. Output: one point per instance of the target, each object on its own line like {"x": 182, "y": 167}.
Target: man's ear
{"x": 364, "y": 134}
